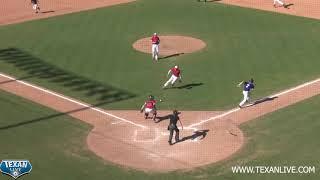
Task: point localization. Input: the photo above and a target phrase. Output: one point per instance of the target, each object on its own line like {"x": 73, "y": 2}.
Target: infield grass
{"x": 278, "y": 51}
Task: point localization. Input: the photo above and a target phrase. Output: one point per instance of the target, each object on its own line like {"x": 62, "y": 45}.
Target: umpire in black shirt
{"x": 174, "y": 118}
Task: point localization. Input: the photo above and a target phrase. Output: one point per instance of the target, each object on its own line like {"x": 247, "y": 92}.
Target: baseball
{"x": 160, "y": 100}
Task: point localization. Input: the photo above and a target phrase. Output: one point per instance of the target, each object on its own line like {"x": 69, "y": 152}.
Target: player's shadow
{"x": 262, "y": 100}
{"x": 196, "y": 134}
{"x": 171, "y": 55}
{"x": 209, "y": 0}
{"x": 187, "y": 86}
{"x": 288, "y": 5}
{"x": 78, "y": 85}
{"x": 46, "y": 12}
{"x": 164, "y": 118}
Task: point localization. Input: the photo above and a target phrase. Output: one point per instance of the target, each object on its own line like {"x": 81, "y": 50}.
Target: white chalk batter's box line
{"x": 140, "y": 125}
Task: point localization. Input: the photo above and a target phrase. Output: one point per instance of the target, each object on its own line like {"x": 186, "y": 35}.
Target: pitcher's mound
{"x": 171, "y": 45}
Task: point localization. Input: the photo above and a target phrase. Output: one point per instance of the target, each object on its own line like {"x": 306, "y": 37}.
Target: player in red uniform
{"x": 175, "y": 75}
{"x": 149, "y": 107}
{"x": 155, "y": 40}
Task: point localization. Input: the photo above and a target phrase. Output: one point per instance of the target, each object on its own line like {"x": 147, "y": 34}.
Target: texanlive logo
{"x": 15, "y": 168}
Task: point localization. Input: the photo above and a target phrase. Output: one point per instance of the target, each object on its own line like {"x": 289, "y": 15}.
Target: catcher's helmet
{"x": 150, "y": 97}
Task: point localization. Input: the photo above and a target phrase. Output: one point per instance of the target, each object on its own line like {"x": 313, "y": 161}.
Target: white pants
{"x": 278, "y": 1}
{"x": 34, "y": 6}
{"x": 245, "y": 97}
{"x": 172, "y": 80}
{"x": 155, "y": 51}
{"x": 149, "y": 110}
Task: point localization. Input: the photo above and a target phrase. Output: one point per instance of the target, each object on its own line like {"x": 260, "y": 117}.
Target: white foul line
{"x": 237, "y": 109}
{"x": 296, "y": 88}
{"x": 215, "y": 117}
{"x": 71, "y": 100}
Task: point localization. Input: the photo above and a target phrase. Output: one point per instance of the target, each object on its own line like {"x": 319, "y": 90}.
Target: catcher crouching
{"x": 149, "y": 107}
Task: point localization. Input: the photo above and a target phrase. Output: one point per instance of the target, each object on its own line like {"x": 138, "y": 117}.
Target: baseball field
{"x": 74, "y": 76}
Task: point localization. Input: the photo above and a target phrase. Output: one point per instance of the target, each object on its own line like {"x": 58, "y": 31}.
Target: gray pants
{"x": 172, "y": 128}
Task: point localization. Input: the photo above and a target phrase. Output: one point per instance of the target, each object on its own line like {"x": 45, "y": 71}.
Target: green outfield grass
{"x": 56, "y": 145}
{"x": 93, "y": 50}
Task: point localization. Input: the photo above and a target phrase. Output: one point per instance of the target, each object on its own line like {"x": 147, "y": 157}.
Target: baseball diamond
{"x": 160, "y": 89}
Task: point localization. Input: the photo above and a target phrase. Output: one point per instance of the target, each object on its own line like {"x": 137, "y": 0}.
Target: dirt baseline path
{"x": 126, "y": 138}
{"x": 305, "y": 8}
{"x": 16, "y": 11}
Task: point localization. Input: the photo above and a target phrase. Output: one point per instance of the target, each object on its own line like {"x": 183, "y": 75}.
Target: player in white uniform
{"x": 279, "y": 2}
{"x": 35, "y": 5}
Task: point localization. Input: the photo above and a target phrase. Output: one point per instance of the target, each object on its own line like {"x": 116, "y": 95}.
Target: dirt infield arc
{"x": 125, "y": 138}
{"x": 171, "y": 45}
{"x": 16, "y": 11}
{"x": 306, "y": 8}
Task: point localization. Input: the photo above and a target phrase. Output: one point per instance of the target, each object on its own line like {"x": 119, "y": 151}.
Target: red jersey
{"x": 155, "y": 39}
{"x": 151, "y": 104}
{"x": 175, "y": 72}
